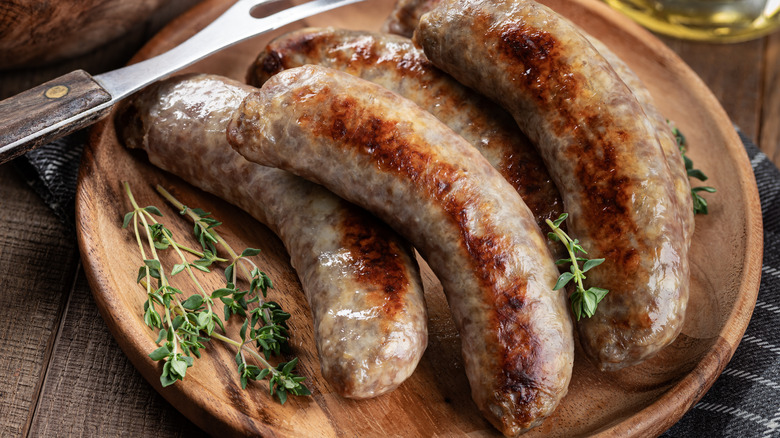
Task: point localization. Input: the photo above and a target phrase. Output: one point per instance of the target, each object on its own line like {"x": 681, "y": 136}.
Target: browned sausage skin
{"x": 394, "y": 63}
{"x": 360, "y": 278}
{"x": 384, "y": 153}
{"x": 406, "y": 15}
{"x": 601, "y": 151}
{"x": 682, "y": 186}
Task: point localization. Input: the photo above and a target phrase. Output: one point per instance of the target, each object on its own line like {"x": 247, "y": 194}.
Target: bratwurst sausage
{"x": 360, "y": 278}
{"x": 601, "y": 151}
{"x": 394, "y": 63}
{"x": 682, "y": 186}
{"x": 406, "y": 15}
{"x": 379, "y": 150}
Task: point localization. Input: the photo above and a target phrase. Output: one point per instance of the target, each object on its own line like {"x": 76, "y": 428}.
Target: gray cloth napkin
{"x": 52, "y": 171}
{"x": 743, "y": 402}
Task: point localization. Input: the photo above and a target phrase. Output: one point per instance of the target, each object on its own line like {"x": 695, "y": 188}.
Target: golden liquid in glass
{"x": 704, "y": 20}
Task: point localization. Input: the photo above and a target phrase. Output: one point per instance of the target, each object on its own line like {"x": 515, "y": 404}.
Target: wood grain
{"x": 640, "y": 400}
{"x": 46, "y": 105}
{"x": 36, "y": 32}
{"x": 38, "y": 261}
{"x": 101, "y": 59}
{"x": 37, "y": 264}
{"x": 86, "y": 362}
{"x": 769, "y": 141}
{"x": 736, "y": 85}
{"x": 19, "y": 201}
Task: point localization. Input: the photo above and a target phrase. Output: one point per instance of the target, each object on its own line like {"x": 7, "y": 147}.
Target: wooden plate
{"x": 643, "y": 400}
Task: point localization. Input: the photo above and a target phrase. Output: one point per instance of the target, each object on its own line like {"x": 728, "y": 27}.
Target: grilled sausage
{"x": 682, "y": 186}
{"x": 383, "y": 152}
{"x": 360, "y": 278}
{"x": 601, "y": 151}
{"x": 406, "y": 15}
{"x": 394, "y": 63}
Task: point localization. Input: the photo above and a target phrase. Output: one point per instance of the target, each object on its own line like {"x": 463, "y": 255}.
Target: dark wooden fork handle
{"x": 45, "y": 106}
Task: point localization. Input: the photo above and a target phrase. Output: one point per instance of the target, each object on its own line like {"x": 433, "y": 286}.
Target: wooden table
{"x": 62, "y": 374}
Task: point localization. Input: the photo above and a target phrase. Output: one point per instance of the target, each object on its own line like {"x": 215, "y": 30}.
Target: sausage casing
{"x": 682, "y": 186}
{"x": 360, "y": 278}
{"x": 406, "y": 15}
{"x": 383, "y": 152}
{"x": 394, "y": 63}
{"x": 601, "y": 151}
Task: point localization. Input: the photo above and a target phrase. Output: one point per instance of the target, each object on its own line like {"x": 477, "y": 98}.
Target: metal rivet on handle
{"x": 56, "y": 92}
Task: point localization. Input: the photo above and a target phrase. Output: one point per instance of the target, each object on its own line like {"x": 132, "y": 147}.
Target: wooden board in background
{"x": 769, "y": 140}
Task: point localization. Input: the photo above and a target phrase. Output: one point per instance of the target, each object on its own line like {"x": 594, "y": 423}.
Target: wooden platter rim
{"x": 651, "y": 420}
{"x": 670, "y": 407}
{"x": 180, "y": 396}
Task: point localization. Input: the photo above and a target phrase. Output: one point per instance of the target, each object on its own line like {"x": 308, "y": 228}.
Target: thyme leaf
{"x": 185, "y": 324}
{"x": 699, "y": 203}
{"x": 583, "y": 301}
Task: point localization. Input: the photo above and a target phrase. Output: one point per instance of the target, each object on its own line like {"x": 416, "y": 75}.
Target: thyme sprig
{"x": 583, "y": 301}
{"x": 267, "y": 322}
{"x": 185, "y": 325}
{"x": 699, "y": 203}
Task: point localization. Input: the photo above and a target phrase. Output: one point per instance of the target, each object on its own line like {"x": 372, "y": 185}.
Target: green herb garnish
{"x": 185, "y": 325}
{"x": 583, "y": 301}
{"x": 699, "y": 203}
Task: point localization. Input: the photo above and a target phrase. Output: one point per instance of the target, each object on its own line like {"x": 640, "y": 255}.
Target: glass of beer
{"x": 704, "y": 20}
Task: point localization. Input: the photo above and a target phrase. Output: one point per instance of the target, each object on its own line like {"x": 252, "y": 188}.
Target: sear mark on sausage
{"x": 377, "y": 260}
{"x": 394, "y": 63}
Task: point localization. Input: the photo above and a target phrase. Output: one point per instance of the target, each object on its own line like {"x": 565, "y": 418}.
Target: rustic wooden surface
{"x": 63, "y": 374}
{"x": 35, "y": 32}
